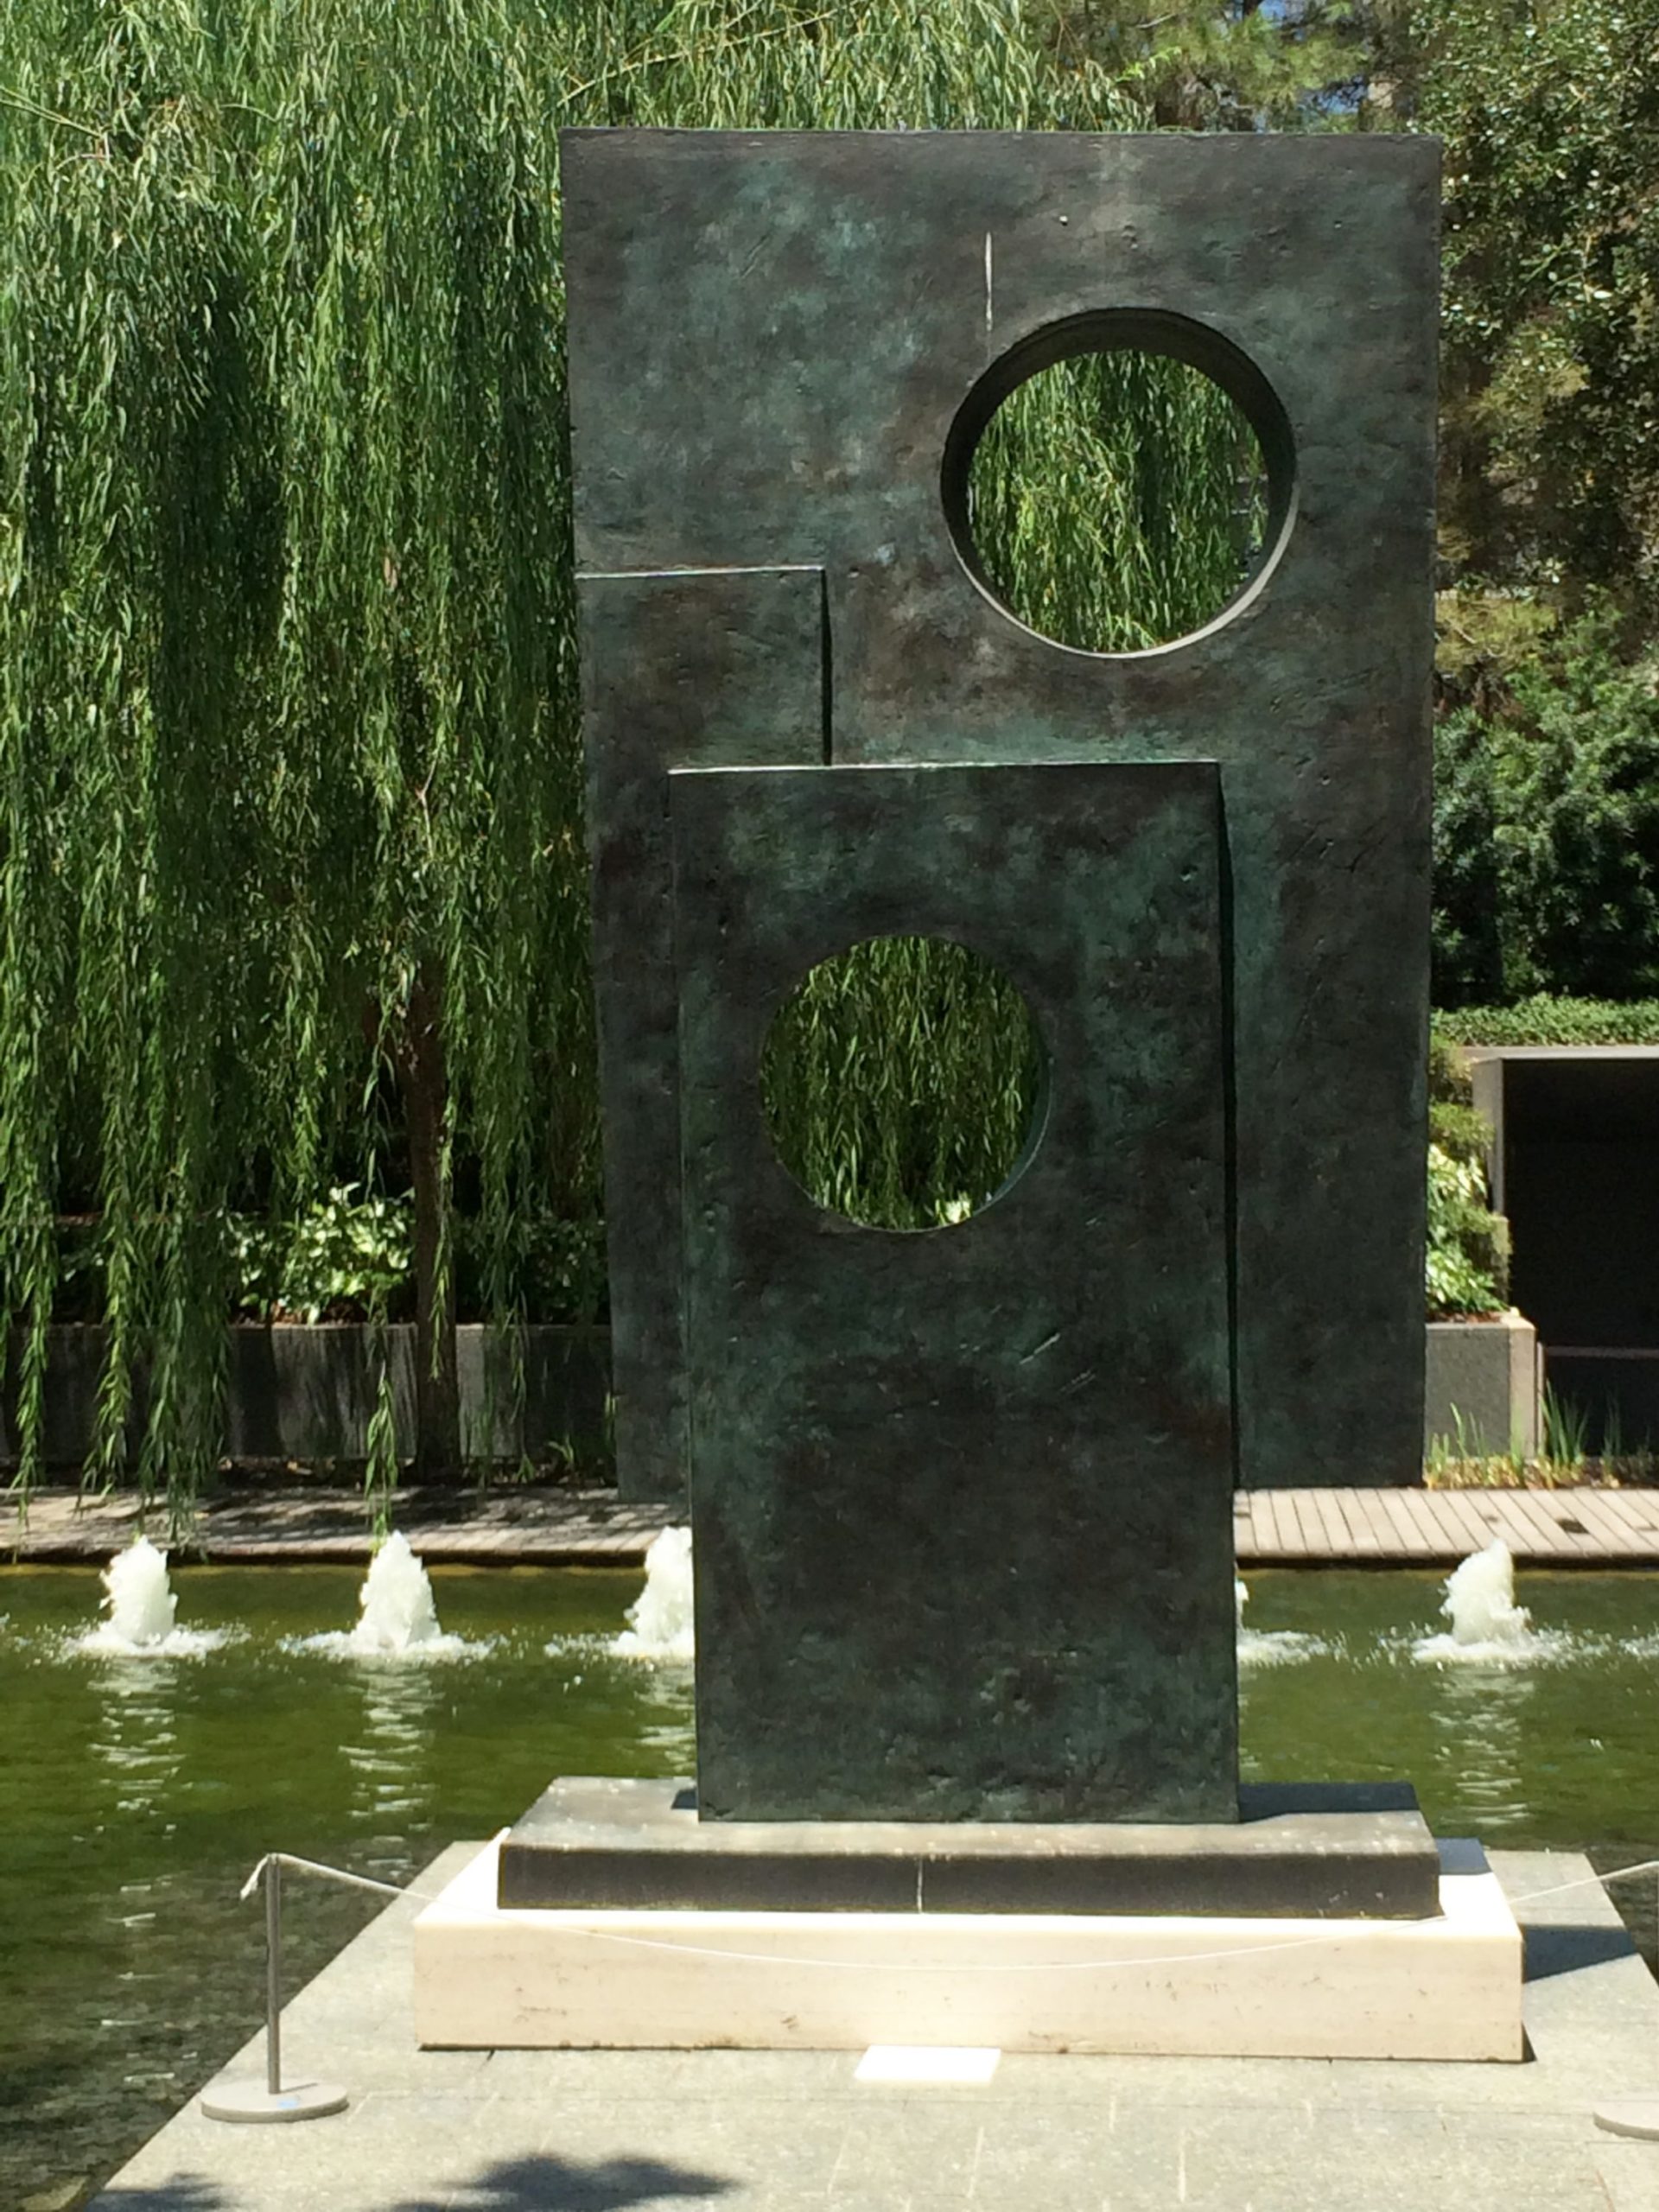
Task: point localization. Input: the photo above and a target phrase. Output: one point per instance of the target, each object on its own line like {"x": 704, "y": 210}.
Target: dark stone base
{"x": 1298, "y": 1851}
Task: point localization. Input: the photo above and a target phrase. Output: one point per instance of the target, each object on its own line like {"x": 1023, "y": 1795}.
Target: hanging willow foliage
{"x": 290, "y": 789}
{"x": 1118, "y": 501}
{"x": 900, "y": 1081}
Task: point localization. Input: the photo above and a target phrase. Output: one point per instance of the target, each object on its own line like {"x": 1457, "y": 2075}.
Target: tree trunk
{"x": 426, "y": 1091}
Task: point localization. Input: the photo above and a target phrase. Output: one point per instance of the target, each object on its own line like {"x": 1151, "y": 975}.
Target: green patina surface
{"x": 1206, "y": 864}
{"x": 876, "y": 1637}
{"x": 780, "y": 346}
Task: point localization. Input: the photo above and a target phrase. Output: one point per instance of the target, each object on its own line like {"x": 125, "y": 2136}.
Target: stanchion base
{"x": 251, "y": 2102}
{"x": 1637, "y": 2116}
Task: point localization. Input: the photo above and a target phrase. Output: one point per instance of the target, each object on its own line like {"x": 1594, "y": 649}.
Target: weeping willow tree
{"x": 900, "y": 1081}
{"x": 289, "y": 811}
{"x": 1118, "y": 501}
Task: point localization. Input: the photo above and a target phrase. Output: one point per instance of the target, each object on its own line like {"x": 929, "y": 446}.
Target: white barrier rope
{"x": 875, "y": 1966}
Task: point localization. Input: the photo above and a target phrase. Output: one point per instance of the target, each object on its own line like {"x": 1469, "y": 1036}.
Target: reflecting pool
{"x": 136, "y": 1793}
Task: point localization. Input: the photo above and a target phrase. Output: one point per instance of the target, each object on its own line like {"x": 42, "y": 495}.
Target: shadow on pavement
{"x": 1568, "y": 1949}
{"x": 188, "y": 2193}
{"x": 551, "y": 2185}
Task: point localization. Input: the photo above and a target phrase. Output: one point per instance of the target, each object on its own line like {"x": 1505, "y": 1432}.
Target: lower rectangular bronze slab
{"x": 961, "y": 1496}
{"x": 1341, "y": 1851}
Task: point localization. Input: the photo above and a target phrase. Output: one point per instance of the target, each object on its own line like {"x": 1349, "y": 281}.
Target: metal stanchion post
{"x": 247, "y": 2101}
{"x": 1637, "y": 2116}
{"x": 274, "y": 1975}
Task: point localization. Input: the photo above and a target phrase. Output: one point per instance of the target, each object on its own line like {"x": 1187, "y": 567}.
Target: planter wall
{"x": 309, "y": 1394}
{"x": 1490, "y": 1376}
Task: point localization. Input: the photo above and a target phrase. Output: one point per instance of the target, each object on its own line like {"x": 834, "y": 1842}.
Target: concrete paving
{"x": 536, "y": 1526}
{"x": 783, "y": 2132}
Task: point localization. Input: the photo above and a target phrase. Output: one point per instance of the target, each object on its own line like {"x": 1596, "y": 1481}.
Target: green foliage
{"x": 1547, "y": 822}
{"x": 1116, "y": 501}
{"x": 558, "y": 1269}
{"x": 1544, "y": 1020}
{"x": 1467, "y": 1252}
{"x": 345, "y": 1258}
{"x": 1467, "y": 1262}
{"x": 1550, "y": 368}
{"x": 900, "y": 1080}
{"x": 1203, "y": 66}
{"x": 289, "y": 776}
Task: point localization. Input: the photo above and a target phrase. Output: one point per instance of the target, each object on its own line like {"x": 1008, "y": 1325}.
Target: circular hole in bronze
{"x": 1120, "y": 482}
{"x": 901, "y": 1083}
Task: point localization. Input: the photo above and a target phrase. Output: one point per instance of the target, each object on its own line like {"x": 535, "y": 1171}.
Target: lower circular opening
{"x": 901, "y": 1082}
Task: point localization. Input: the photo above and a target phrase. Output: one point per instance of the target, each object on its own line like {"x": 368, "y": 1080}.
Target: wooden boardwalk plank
{"x": 1610, "y": 1531}
{"x": 1339, "y": 1535}
{"x": 1283, "y": 1531}
{"x": 1465, "y": 1530}
{"x": 1412, "y": 1535}
{"x": 1292, "y": 1537}
{"x": 1315, "y": 1543}
{"x": 1562, "y": 1508}
{"x": 1385, "y": 1534}
{"x": 1531, "y": 1532}
{"x": 1302, "y": 1526}
{"x": 1637, "y": 1509}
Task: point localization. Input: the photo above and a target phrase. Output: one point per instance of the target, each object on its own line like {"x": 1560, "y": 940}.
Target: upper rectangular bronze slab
{"x": 771, "y": 336}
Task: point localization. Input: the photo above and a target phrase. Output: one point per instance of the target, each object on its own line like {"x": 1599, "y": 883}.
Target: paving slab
{"x": 783, "y": 2131}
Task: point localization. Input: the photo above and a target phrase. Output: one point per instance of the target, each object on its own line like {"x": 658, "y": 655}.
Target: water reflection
{"x": 136, "y": 1738}
{"x": 1477, "y": 1745}
{"x": 390, "y": 1761}
{"x": 666, "y": 1723}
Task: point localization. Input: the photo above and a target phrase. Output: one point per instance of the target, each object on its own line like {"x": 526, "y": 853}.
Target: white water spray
{"x": 143, "y": 1611}
{"x": 660, "y": 1619}
{"x": 1267, "y": 1647}
{"x": 399, "y": 1613}
{"x": 1486, "y": 1623}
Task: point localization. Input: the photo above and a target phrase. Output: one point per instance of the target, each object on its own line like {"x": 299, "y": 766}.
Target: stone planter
{"x": 1487, "y": 1374}
{"x": 309, "y": 1394}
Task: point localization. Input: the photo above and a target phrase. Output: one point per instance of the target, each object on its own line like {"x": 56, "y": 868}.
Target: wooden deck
{"x": 1429, "y": 1528}
{"x": 503, "y": 1527}
{"x": 532, "y": 1527}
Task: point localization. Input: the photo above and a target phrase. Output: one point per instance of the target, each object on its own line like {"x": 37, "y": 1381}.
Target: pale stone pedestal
{"x": 534, "y": 1978}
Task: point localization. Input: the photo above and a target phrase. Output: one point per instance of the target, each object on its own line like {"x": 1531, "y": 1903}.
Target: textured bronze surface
{"x": 877, "y": 1635}
{"x": 781, "y": 346}
{"x": 1355, "y": 1851}
{"x": 680, "y": 672}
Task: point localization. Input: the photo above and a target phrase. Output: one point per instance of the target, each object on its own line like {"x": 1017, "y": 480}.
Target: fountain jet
{"x": 660, "y": 1620}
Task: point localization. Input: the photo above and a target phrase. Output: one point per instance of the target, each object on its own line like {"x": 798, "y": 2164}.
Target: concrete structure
{"x": 1329, "y": 1852}
{"x": 1574, "y": 1166}
{"x": 543, "y": 2130}
{"x": 1484, "y": 1386}
{"x": 1446, "y": 1987}
{"x": 294, "y": 1392}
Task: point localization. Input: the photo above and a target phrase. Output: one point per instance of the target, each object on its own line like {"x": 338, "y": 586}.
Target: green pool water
{"x": 136, "y": 1794}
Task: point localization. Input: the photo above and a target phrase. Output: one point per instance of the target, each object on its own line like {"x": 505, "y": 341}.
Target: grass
{"x": 1462, "y": 1461}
